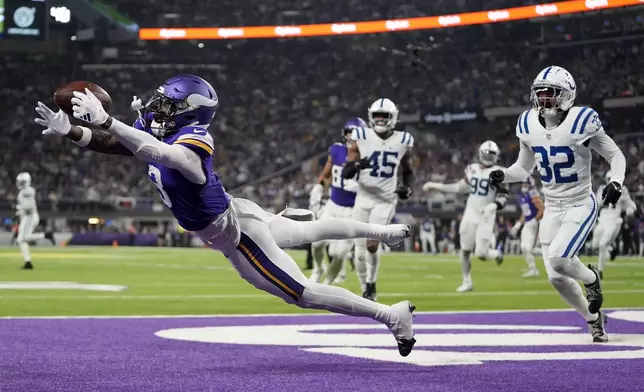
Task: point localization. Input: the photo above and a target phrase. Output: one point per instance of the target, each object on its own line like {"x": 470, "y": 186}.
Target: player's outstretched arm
{"x": 461, "y": 186}
{"x": 94, "y": 139}
{"x": 97, "y": 140}
{"x": 143, "y": 145}
{"x": 519, "y": 171}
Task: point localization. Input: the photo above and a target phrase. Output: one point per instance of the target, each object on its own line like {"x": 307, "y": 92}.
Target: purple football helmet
{"x": 181, "y": 101}
{"x": 350, "y": 125}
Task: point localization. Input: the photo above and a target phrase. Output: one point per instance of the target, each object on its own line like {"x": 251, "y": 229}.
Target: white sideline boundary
{"x": 203, "y": 316}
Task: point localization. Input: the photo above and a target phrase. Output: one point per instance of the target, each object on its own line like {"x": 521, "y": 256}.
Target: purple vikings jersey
{"x": 195, "y": 206}
{"x": 339, "y": 195}
{"x": 528, "y": 208}
{"x": 428, "y": 224}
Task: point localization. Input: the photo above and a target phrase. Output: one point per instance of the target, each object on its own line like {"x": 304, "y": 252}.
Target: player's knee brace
{"x": 558, "y": 264}
{"x": 372, "y": 246}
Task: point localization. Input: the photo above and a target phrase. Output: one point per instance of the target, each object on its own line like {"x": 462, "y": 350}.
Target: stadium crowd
{"x": 282, "y": 102}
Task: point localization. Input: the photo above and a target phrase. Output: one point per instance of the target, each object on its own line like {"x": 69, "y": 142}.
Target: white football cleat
{"x": 403, "y": 328}
{"x": 398, "y": 234}
{"x": 466, "y": 286}
{"x": 531, "y": 273}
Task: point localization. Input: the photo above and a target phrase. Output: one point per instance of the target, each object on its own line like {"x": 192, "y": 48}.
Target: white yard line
{"x": 174, "y": 316}
{"x": 145, "y": 297}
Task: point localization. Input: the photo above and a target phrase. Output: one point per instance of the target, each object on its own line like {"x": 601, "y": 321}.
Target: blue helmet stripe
{"x": 545, "y": 74}
{"x": 382, "y": 102}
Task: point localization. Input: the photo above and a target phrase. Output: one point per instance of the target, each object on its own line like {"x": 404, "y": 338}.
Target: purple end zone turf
{"x": 514, "y": 352}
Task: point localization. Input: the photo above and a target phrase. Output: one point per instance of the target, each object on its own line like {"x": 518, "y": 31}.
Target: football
{"x": 64, "y": 95}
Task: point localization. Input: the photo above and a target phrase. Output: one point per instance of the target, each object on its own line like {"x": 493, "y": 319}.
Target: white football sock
{"x": 24, "y": 249}
{"x": 360, "y": 261}
{"x": 35, "y": 237}
{"x": 571, "y": 292}
{"x": 339, "y": 300}
{"x": 466, "y": 265}
{"x": 373, "y": 263}
{"x": 334, "y": 268}
{"x": 529, "y": 259}
{"x": 604, "y": 255}
{"x": 288, "y": 233}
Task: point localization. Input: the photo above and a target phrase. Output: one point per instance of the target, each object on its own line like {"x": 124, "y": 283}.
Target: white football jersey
{"x": 380, "y": 181}
{"x": 562, "y": 155}
{"x": 27, "y": 201}
{"x": 481, "y": 193}
{"x": 624, "y": 204}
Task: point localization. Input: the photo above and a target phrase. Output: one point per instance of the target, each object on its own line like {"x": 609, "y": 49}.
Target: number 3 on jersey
{"x": 155, "y": 176}
{"x": 385, "y": 168}
{"x": 548, "y": 170}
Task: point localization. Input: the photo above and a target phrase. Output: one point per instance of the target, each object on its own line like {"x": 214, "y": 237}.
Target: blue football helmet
{"x": 181, "y": 101}
{"x": 350, "y": 125}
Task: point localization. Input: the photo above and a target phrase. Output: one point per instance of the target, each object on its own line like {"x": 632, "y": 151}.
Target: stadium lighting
{"x": 384, "y": 26}
{"x": 61, "y": 14}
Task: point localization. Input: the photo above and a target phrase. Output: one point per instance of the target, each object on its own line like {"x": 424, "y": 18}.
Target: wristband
{"x": 85, "y": 138}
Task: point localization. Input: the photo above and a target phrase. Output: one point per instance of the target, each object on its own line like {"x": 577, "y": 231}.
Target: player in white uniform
{"x": 27, "y": 210}
{"x": 478, "y": 222}
{"x": 559, "y": 137}
{"x": 609, "y": 223}
{"x": 374, "y": 156}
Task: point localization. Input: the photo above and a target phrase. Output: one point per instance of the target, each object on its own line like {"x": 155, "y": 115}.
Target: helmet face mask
{"x": 183, "y": 100}
{"x": 553, "y": 91}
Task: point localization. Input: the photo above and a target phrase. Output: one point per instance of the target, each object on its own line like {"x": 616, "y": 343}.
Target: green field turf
{"x": 165, "y": 281}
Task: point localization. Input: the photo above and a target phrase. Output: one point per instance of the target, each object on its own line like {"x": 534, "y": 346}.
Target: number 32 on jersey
{"x": 552, "y": 160}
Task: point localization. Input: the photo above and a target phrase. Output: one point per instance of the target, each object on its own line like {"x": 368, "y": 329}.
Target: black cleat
{"x": 405, "y": 346}
{"x": 403, "y": 329}
{"x": 50, "y": 236}
{"x": 27, "y": 265}
{"x": 370, "y": 292}
{"x": 598, "y": 330}
{"x": 594, "y": 292}
{"x": 613, "y": 253}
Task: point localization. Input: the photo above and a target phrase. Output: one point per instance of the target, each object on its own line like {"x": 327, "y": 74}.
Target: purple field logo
{"x": 456, "y": 352}
{"x": 475, "y": 338}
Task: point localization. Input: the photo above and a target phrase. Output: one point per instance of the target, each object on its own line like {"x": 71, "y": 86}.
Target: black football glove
{"x": 611, "y": 194}
{"x": 496, "y": 178}
{"x": 403, "y": 192}
{"x": 364, "y": 163}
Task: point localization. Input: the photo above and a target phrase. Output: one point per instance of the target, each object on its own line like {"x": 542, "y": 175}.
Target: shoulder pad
{"x": 406, "y": 139}
{"x": 197, "y": 139}
{"x": 586, "y": 122}
{"x": 522, "y": 123}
